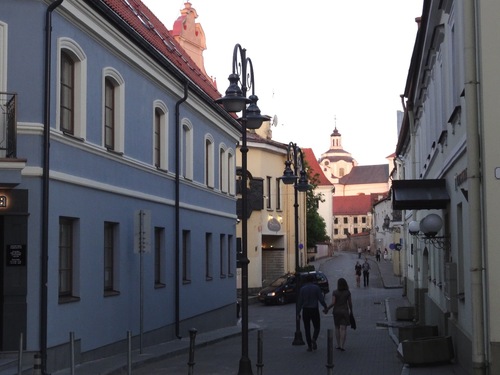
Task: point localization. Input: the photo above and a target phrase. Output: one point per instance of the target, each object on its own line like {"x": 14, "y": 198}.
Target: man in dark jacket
{"x": 309, "y": 296}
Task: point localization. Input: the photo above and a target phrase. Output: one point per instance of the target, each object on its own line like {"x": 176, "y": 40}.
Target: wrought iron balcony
{"x": 8, "y": 125}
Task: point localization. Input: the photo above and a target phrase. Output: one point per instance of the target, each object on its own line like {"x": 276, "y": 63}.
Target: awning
{"x": 419, "y": 194}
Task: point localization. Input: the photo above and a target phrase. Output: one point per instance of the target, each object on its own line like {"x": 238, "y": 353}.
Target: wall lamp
{"x": 427, "y": 229}
{"x": 386, "y": 226}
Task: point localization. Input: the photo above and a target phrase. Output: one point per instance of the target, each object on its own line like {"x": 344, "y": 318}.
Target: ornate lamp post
{"x": 235, "y": 100}
{"x": 297, "y": 176}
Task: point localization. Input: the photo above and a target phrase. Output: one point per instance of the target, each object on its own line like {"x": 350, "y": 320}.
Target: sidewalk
{"x": 118, "y": 364}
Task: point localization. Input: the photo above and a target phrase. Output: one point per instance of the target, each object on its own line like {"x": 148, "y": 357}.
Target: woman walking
{"x": 342, "y": 307}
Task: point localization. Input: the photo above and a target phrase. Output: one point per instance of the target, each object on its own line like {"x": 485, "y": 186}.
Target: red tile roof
{"x": 153, "y": 32}
{"x": 352, "y": 205}
{"x": 315, "y": 168}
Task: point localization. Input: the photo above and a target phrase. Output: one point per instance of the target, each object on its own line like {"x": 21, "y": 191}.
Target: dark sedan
{"x": 284, "y": 289}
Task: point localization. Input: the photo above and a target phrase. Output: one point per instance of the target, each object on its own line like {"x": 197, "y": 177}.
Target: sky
{"x": 317, "y": 65}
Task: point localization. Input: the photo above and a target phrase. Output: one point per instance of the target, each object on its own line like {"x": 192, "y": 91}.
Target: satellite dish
{"x": 275, "y": 121}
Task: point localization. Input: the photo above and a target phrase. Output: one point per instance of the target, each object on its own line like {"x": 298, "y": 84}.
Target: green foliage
{"x": 316, "y": 226}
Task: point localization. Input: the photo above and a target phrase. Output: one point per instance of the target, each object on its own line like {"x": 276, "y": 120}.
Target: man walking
{"x": 309, "y": 296}
{"x": 366, "y": 273}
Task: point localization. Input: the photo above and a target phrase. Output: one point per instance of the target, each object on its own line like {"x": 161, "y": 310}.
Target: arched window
{"x": 160, "y": 135}
{"x": 114, "y": 111}
{"x": 187, "y": 149}
{"x": 72, "y": 89}
{"x": 209, "y": 161}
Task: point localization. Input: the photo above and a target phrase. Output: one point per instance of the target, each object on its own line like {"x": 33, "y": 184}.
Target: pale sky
{"x": 316, "y": 64}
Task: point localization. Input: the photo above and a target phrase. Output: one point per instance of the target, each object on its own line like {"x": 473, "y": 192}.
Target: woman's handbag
{"x": 352, "y": 321}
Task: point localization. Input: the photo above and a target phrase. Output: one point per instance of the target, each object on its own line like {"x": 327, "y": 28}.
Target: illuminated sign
{"x": 3, "y": 201}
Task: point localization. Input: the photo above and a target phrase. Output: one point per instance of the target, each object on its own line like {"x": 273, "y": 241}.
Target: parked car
{"x": 284, "y": 288}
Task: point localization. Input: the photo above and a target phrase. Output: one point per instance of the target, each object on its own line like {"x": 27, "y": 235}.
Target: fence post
{"x": 192, "y": 337}
{"x": 260, "y": 342}
{"x": 329, "y": 353}
{"x": 20, "y": 355}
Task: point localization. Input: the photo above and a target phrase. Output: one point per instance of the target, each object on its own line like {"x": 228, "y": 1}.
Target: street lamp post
{"x": 235, "y": 100}
{"x": 298, "y": 177}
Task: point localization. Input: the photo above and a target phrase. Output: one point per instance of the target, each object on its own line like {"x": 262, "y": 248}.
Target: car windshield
{"x": 279, "y": 281}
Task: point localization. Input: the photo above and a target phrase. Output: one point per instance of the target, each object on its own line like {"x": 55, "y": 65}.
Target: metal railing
{"x": 8, "y": 125}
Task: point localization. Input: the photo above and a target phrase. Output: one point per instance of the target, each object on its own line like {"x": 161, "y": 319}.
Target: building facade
{"x": 448, "y": 175}
{"x": 117, "y": 182}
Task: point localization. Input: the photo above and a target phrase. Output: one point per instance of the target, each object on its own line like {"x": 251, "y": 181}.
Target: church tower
{"x": 336, "y": 162}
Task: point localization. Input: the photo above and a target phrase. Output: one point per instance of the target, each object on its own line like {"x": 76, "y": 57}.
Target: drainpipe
{"x": 476, "y": 242}
{"x": 177, "y": 209}
{"x": 44, "y": 259}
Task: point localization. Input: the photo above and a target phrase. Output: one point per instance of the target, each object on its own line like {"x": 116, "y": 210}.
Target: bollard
{"x": 192, "y": 337}
{"x": 329, "y": 353}
{"x": 20, "y": 356}
{"x": 72, "y": 351}
{"x": 260, "y": 363}
{"x": 37, "y": 364}
{"x": 129, "y": 353}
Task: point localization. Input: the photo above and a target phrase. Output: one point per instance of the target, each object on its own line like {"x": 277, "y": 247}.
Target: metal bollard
{"x": 129, "y": 352}
{"x": 260, "y": 363}
{"x": 329, "y": 353}
{"x": 20, "y": 355}
{"x": 192, "y": 337}
{"x": 72, "y": 351}
{"x": 37, "y": 364}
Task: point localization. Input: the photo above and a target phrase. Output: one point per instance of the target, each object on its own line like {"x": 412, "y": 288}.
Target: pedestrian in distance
{"x": 342, "y": 308}
{"x": 357, "y": 271}
{"x": 359, "y": 253}
{"x": 310, "y": 296}
{"x": 386, "y": 254}
{"x": 378, "y": 255}
{"x": 366, "y": 273}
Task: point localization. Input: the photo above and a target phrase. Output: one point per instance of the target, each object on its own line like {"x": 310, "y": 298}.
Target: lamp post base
{"x": 298, "y": 340}
{"x": 245, "y": 366}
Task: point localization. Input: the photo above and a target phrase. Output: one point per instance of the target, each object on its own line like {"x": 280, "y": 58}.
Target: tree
{"x": 316, "y": 226}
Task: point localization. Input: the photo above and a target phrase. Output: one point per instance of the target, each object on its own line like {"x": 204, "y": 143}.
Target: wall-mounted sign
{"x": 273, "y": 225}
{"x": 16, "y": 255}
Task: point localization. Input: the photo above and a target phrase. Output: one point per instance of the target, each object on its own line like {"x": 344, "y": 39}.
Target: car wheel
{"x": 281, "y": 300}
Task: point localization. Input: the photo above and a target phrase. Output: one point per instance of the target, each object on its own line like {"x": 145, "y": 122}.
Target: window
{"x": 335, "y": 231}
{"x": 110, "y": 246}
{"x": 186, "y": 256}
{"x": 109, "y": 114}
{"x": 158, "y": 256}
{"x": 355, "y": 219}
{"x": 113, "y": 110}
{"x": 224, "y": 182}
{"x": 160, "y": 136}
{"x": 72, "y": 90}
{"x": 363, "y": 219}
{"x": 346, "y": 220}
{"x": 231, "y": 176}
{"x": 268, "y": 192}
{"x": 67, "y": 229}
{"x": 229, "y": 255}
{"x": 209, "y": 161}
{"x": 341, "y": 172}
{"x": 336, "y": 220}
{"x": 346, "y": 231}
{"x": 3, "y": 56}
{"x": 223, "y": 258}
{"x": 187, "y": 150}
{"x": 208, "y": 256}
{"x": 67, "y": 120}
{"x": 278, "y": 193}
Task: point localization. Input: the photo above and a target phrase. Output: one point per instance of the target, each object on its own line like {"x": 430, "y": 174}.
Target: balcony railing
{"x": 8, "y": 125}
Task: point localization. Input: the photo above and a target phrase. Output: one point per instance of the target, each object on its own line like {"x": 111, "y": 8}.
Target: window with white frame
{"x": 224, "y": 183}
{"x": 231, "y": 173}
{"x": 110, "y": 258}
{"x": 209, "y": 161}
{"x": 160, "y": 135}
{"x": 72, "y": 89}
{"x": 159, "y": 250}
{"x": 187, "y": 150}
{"x": 113, "y": 111}
{"x": 3, "y": 56}
{"x": 186, "y": 256}
{"x": 68, "y": 259}
{"x": 222, "y": 255}
{"x": 278, "y": 193}
{"x": 208, "y": 256}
